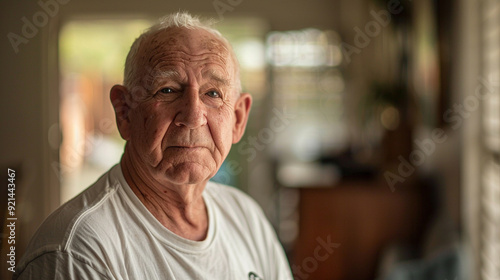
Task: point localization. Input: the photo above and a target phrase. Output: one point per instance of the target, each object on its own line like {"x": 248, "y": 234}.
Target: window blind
{"x": 490, "y": 141}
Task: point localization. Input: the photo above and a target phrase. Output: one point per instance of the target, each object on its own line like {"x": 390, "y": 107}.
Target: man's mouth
{"x": 186, "y": 147}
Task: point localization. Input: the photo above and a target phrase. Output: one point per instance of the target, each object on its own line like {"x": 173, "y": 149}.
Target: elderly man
{"x": 156, "y": 215}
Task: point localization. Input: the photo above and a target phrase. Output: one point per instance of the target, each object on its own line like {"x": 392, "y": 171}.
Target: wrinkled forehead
{"x": 179, "y": 43}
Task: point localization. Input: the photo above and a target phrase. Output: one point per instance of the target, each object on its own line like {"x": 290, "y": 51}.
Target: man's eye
{"x": 166, "y": 90}
{"x": 213, "y": 94}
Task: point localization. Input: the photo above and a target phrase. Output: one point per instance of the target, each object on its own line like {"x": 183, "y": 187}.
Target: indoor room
{"x": 372, "y": 144}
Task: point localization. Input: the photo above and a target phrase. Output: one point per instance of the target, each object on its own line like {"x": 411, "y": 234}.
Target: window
{"x": 307, "y": 81}
{"x": 489, "y": 236}
{"x": 92, "y": 57}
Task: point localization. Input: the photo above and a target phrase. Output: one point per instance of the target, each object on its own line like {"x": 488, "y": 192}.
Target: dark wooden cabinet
{"x": 361, "y": 218}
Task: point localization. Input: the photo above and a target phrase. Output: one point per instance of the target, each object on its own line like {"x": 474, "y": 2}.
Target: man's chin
{"x": 187, "y": 174}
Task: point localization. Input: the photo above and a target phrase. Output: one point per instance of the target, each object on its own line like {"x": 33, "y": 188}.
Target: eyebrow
{"x": 159, "y": 76}
{"x": 173, "y": 74}
{"x": 166, "y": 74}
{"x": 215, "y": 75}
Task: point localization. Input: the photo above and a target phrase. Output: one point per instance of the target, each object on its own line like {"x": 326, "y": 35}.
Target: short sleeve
{"x": 60, "y": 266}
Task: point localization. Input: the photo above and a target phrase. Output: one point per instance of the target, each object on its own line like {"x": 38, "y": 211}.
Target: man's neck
{"x": 179, "y": 208}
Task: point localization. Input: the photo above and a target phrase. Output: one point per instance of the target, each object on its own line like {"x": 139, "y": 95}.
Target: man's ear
{"x": 241, "y": 111}
{"x": 118, "y": 96}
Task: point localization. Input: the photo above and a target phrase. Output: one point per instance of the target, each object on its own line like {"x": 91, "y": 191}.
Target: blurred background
{"x": 373, "y": 144}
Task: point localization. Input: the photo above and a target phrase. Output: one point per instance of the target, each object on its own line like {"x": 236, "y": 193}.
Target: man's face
{"x": 183, "y": 129}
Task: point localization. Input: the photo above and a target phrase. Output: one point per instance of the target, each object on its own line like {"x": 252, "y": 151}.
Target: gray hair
{"x": 131, "y": 78}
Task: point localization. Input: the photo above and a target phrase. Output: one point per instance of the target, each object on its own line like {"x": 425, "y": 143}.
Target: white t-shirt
{"x": 107, "y": 233}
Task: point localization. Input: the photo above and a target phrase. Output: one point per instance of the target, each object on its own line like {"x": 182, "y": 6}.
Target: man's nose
{"x": 192, "y": 112}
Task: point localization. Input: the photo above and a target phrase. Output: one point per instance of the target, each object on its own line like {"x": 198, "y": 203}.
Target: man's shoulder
{"x": 74, "y": 212}
{"x": 73, "y": 218}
